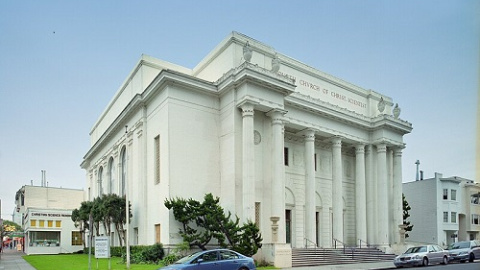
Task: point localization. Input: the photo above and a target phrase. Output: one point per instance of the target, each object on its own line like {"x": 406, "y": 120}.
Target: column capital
{"x": 336, "y": 141}
{"x": 276, "y": 115}
{"x": 308, "y": 134}
{"x": 381, "y": 147}
{"x": 248, "y": 109}
{"x": 360, "y": 149}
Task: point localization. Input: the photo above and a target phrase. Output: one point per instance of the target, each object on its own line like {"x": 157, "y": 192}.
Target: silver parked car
{"x": 422, "y": 255}
{"x": 464, "y": 250}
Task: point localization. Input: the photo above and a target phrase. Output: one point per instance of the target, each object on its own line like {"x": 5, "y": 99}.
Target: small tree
{"x": 203, "y": 221}
{"x": 406, "y": 215}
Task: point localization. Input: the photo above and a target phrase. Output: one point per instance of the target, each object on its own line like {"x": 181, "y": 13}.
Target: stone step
{"x": 331, "y": 256}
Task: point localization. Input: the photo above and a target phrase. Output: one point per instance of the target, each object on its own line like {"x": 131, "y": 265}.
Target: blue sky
{"x": 62, "y": 61}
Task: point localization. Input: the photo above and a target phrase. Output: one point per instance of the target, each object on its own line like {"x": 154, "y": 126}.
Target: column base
{"x": 278, "y": 255}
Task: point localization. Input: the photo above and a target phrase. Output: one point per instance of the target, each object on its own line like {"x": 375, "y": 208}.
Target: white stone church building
{"x": 311, "y": 158}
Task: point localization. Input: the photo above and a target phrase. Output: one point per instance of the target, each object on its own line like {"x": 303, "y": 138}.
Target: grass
{"x": 80, "y": 262}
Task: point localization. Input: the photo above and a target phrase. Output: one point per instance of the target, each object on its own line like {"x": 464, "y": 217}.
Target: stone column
{"x": 371, "y": 196}
{"x": 248, "y": 164}
{"x": 278, "y": 172}
{"x": 360, "y": 193}
{"x": 382, "y": 202}
{"x": 310, "y": 216}
{"x": 397, "y": 193}
{"x": 337, "y": 189}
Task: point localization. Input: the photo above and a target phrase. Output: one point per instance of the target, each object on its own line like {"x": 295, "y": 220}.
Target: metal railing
{"x": 335, "y": 244}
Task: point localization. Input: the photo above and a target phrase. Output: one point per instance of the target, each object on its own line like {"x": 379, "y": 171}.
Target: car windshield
{"x": 460, "y": 245}
{"x": 416, "y": 249}
{"x": 187, "y": 258}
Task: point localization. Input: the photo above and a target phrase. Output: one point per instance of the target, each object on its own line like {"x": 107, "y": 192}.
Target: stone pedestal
{"x": 279, "y": 255}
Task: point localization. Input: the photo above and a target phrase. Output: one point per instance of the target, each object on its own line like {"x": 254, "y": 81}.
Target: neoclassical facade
{"x": 312, "y": 159}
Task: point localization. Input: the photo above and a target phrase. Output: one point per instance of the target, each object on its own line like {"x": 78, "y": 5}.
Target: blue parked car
{"x": 215, "y": 259}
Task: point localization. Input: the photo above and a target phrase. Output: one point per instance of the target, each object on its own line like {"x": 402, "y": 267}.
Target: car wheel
{"x": 471, "y": 258}
{"x": 425, "y": 261}
{"x": 243, "y": 268}
{"x": 445, "y": 260}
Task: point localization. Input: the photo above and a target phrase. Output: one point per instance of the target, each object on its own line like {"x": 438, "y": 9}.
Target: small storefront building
{"x": 51, "y": 231}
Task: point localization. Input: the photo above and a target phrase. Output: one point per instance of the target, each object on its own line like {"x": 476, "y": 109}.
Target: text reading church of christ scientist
{"x": 312, "y": 159}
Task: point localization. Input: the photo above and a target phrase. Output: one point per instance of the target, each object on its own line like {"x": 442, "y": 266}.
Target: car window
{"x": 422, "y": 249}
{"x": 228, "y": 255}
{"x": 207, "y": 257}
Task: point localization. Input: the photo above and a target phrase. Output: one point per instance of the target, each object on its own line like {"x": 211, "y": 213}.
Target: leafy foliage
{"x": 105, "y": 210}
{"x": 202, "y": 222}
{"x": 406, "y": 215}
{"x": 9, "y": 227}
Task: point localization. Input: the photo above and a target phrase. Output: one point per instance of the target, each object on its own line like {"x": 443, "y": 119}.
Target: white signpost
{"x": 102, "y": 248}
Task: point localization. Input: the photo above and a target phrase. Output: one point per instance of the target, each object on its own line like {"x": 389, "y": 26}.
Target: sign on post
{"x": 102, "y": 247}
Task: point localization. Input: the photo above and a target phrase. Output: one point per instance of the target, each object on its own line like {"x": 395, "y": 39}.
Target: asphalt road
{"x": 452, "y": 266}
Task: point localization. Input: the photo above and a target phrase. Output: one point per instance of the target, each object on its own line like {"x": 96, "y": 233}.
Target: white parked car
{"x": 465, "y": 250}
{"x": 422, "y": 255}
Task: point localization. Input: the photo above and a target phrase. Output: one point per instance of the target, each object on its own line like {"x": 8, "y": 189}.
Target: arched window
{"x": 99, "y": 181}
{"x": 123, "y": 174}
{"x": 111, "y": 182}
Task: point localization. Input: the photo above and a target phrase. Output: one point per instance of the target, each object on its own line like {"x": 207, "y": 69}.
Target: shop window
{"x": 33, "y": 223}
{"x": 76, "y": 238}
{"x": 44, "y": 239}
{"x": 41, "y": 223}
{"x": 445, "y": 217}
{"x": 50, "y": 223}
{"x": 58, "y": 223}
{"x": 445, "y": 194}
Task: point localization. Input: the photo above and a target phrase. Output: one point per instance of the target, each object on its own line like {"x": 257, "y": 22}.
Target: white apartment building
{"x": 46, "y": 219}
{"x": 311, "y": 158}
{"x": 444, "y": 210}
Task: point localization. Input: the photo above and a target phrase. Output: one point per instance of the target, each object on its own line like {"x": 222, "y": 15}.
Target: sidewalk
{"x": 11, "y": 259}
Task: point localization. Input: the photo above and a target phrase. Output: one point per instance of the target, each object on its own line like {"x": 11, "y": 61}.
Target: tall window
{"x": 475, "y": 219}
{"x": 445, "y": 194}
{"x": 111, "y": 169}
{"x": 123, "y": 158}
{"x": 453, "y": 217}
{"x": 157, "y": 233}
{"x": 157, "y": 158}
{"x": 285, "y": 156}
{"x": 475, "y": 198}
{"x": 100, "y": 185}
{"x": 445, "y": 217}
{"x": 257, "y": 213}
{"x": 453, "y": 194}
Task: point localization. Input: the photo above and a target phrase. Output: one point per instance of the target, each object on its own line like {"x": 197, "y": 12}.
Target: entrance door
{"x": 288, "y": 225}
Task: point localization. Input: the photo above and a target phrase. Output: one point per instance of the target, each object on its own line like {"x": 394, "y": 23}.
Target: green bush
{"x": 169, "y": 259}
{"x": 138, "y": 254}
